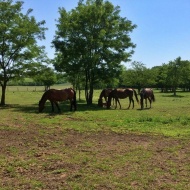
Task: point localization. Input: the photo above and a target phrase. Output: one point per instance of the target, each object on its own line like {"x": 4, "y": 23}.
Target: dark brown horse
{"x": 55, "y": 96}
{"x": 104, "y": 94}
{"x": 146, "y": 93}
{"x": 121, "y": 94}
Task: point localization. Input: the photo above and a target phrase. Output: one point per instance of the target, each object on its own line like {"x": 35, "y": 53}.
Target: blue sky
{"x": 162, "y": 33}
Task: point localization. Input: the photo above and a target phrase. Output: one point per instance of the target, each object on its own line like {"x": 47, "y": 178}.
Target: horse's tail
{"x": 136, "y": 96}
{"x": 153, "y": 97}
{"x": 75, "y": 100}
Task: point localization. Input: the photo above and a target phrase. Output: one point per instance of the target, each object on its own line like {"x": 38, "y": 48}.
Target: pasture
{"x": 94, "y": 148}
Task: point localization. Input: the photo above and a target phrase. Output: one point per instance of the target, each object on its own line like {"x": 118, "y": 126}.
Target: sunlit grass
{"x": 169, "y": 115}
{"x": 90, "y": 164}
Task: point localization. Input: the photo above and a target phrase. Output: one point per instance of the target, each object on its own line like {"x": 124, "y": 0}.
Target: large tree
{"x": 19, "y": 34}
{"x": 93, "y": 40}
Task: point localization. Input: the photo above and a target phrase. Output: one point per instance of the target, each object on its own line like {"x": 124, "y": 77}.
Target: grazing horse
{"x": 121, "y": 94}
{"x": 104, "y": 94}
{"x": 54, "y": 96}
{"x": 146, "y": 93}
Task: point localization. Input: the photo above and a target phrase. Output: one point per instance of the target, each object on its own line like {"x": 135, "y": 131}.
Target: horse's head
{"x": 41, "y": 106}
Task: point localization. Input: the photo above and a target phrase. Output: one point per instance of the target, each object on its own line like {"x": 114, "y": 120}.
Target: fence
{"x": 34, "y": 88}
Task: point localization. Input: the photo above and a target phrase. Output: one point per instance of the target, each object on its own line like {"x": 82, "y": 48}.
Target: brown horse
{"x": 104, "y": 94}
{"x": 146, "y": 93}
{"x": 121, "y": 94}
{"x": 54, "y": 96}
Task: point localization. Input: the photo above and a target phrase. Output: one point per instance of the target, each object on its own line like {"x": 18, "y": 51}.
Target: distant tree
{"x": 61, "y": 78}
{"x": 153, "y": 74}
{"x": 162, "y": 78}
{"x": 138, "y": 75}
{"x": 45, "y": 76}
{"x": 18, "y": 42}
{"x": 93, "y": 40}
{"x": 174, "y": 72}
{"x": 185, "y": 75}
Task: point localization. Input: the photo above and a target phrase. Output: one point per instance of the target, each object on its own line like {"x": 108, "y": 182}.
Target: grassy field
{"x": 94, "y": 148}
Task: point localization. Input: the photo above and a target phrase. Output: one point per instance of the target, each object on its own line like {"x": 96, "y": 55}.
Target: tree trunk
{"x": 89, "y": 88}
{"x": 91, "y": 94}
{"x": 174, "y": 90}
{"x": 3, "y": 86}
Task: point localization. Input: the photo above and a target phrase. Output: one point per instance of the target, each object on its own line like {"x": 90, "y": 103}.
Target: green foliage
{"x": 91, "y": 42}
{"x": 19, "y": 35}
{"x": 173, "y": 75}
{"x": 45, "y": 76}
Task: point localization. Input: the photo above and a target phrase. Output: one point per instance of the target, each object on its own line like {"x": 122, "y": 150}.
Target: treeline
{"x": 91, "y": 42}
{"x": 167, "y": 77}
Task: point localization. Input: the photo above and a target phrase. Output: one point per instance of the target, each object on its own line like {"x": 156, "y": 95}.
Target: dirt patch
{"x": 41, "y": 158}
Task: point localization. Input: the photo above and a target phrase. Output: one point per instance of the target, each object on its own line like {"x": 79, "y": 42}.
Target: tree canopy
{"x": 18, "y": 42}
{"x": 93, "y": 40}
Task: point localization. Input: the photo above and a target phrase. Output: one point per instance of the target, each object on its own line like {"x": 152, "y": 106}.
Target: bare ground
{"x": 42, "y": 158}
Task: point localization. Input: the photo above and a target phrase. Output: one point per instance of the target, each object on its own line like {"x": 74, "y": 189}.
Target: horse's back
{"x": 69, "y": 91}
{"x": 147, "y": 92}
{"x": 60, "y": 94}
{"x": 105, "y": 92}
{"x": 144, "y": 90}
{"x": 123, "y": 93}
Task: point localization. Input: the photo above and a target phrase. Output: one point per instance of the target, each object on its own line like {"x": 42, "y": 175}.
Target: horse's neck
{"x": 44, "y": 99}
{"x": 101, "y": 95}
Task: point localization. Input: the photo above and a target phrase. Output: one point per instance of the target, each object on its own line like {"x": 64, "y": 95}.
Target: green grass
{"x": 169, "y": 116}
{"x": 66, "y": 150}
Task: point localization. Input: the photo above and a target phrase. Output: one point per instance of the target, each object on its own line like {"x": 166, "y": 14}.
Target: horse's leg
{"x": 150, "y": 101}
{"x": 129, "y": 103}
{"x": 71, "y": 105}
{"x": 119, "y": 102}
{"x": 105, "y": 98}
{"x": 57, "y": 106}
{"x": 132, "y": 102}
{"x": 146, "y": 101}
{"x": 52, "y": 106}
{"x": 116, "y": 100}
{"x": 142, "y": 103}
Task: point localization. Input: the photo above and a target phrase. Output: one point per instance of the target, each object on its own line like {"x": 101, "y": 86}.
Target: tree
{"x": 45, "y": 76}
{"x": 139, "y": 75}
{"x": 185, "y": 75}
{"x": 18, "y": 42}
{"x": 93, "y": 40}
{"x": 174, "y": 72}
{"x": 162, "y": 78}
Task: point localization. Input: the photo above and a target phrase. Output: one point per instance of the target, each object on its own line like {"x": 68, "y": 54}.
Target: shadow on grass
{"x": 172, "y": 96}
{"x": 144, "y": 109}
{"x": 64, "y": 106}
